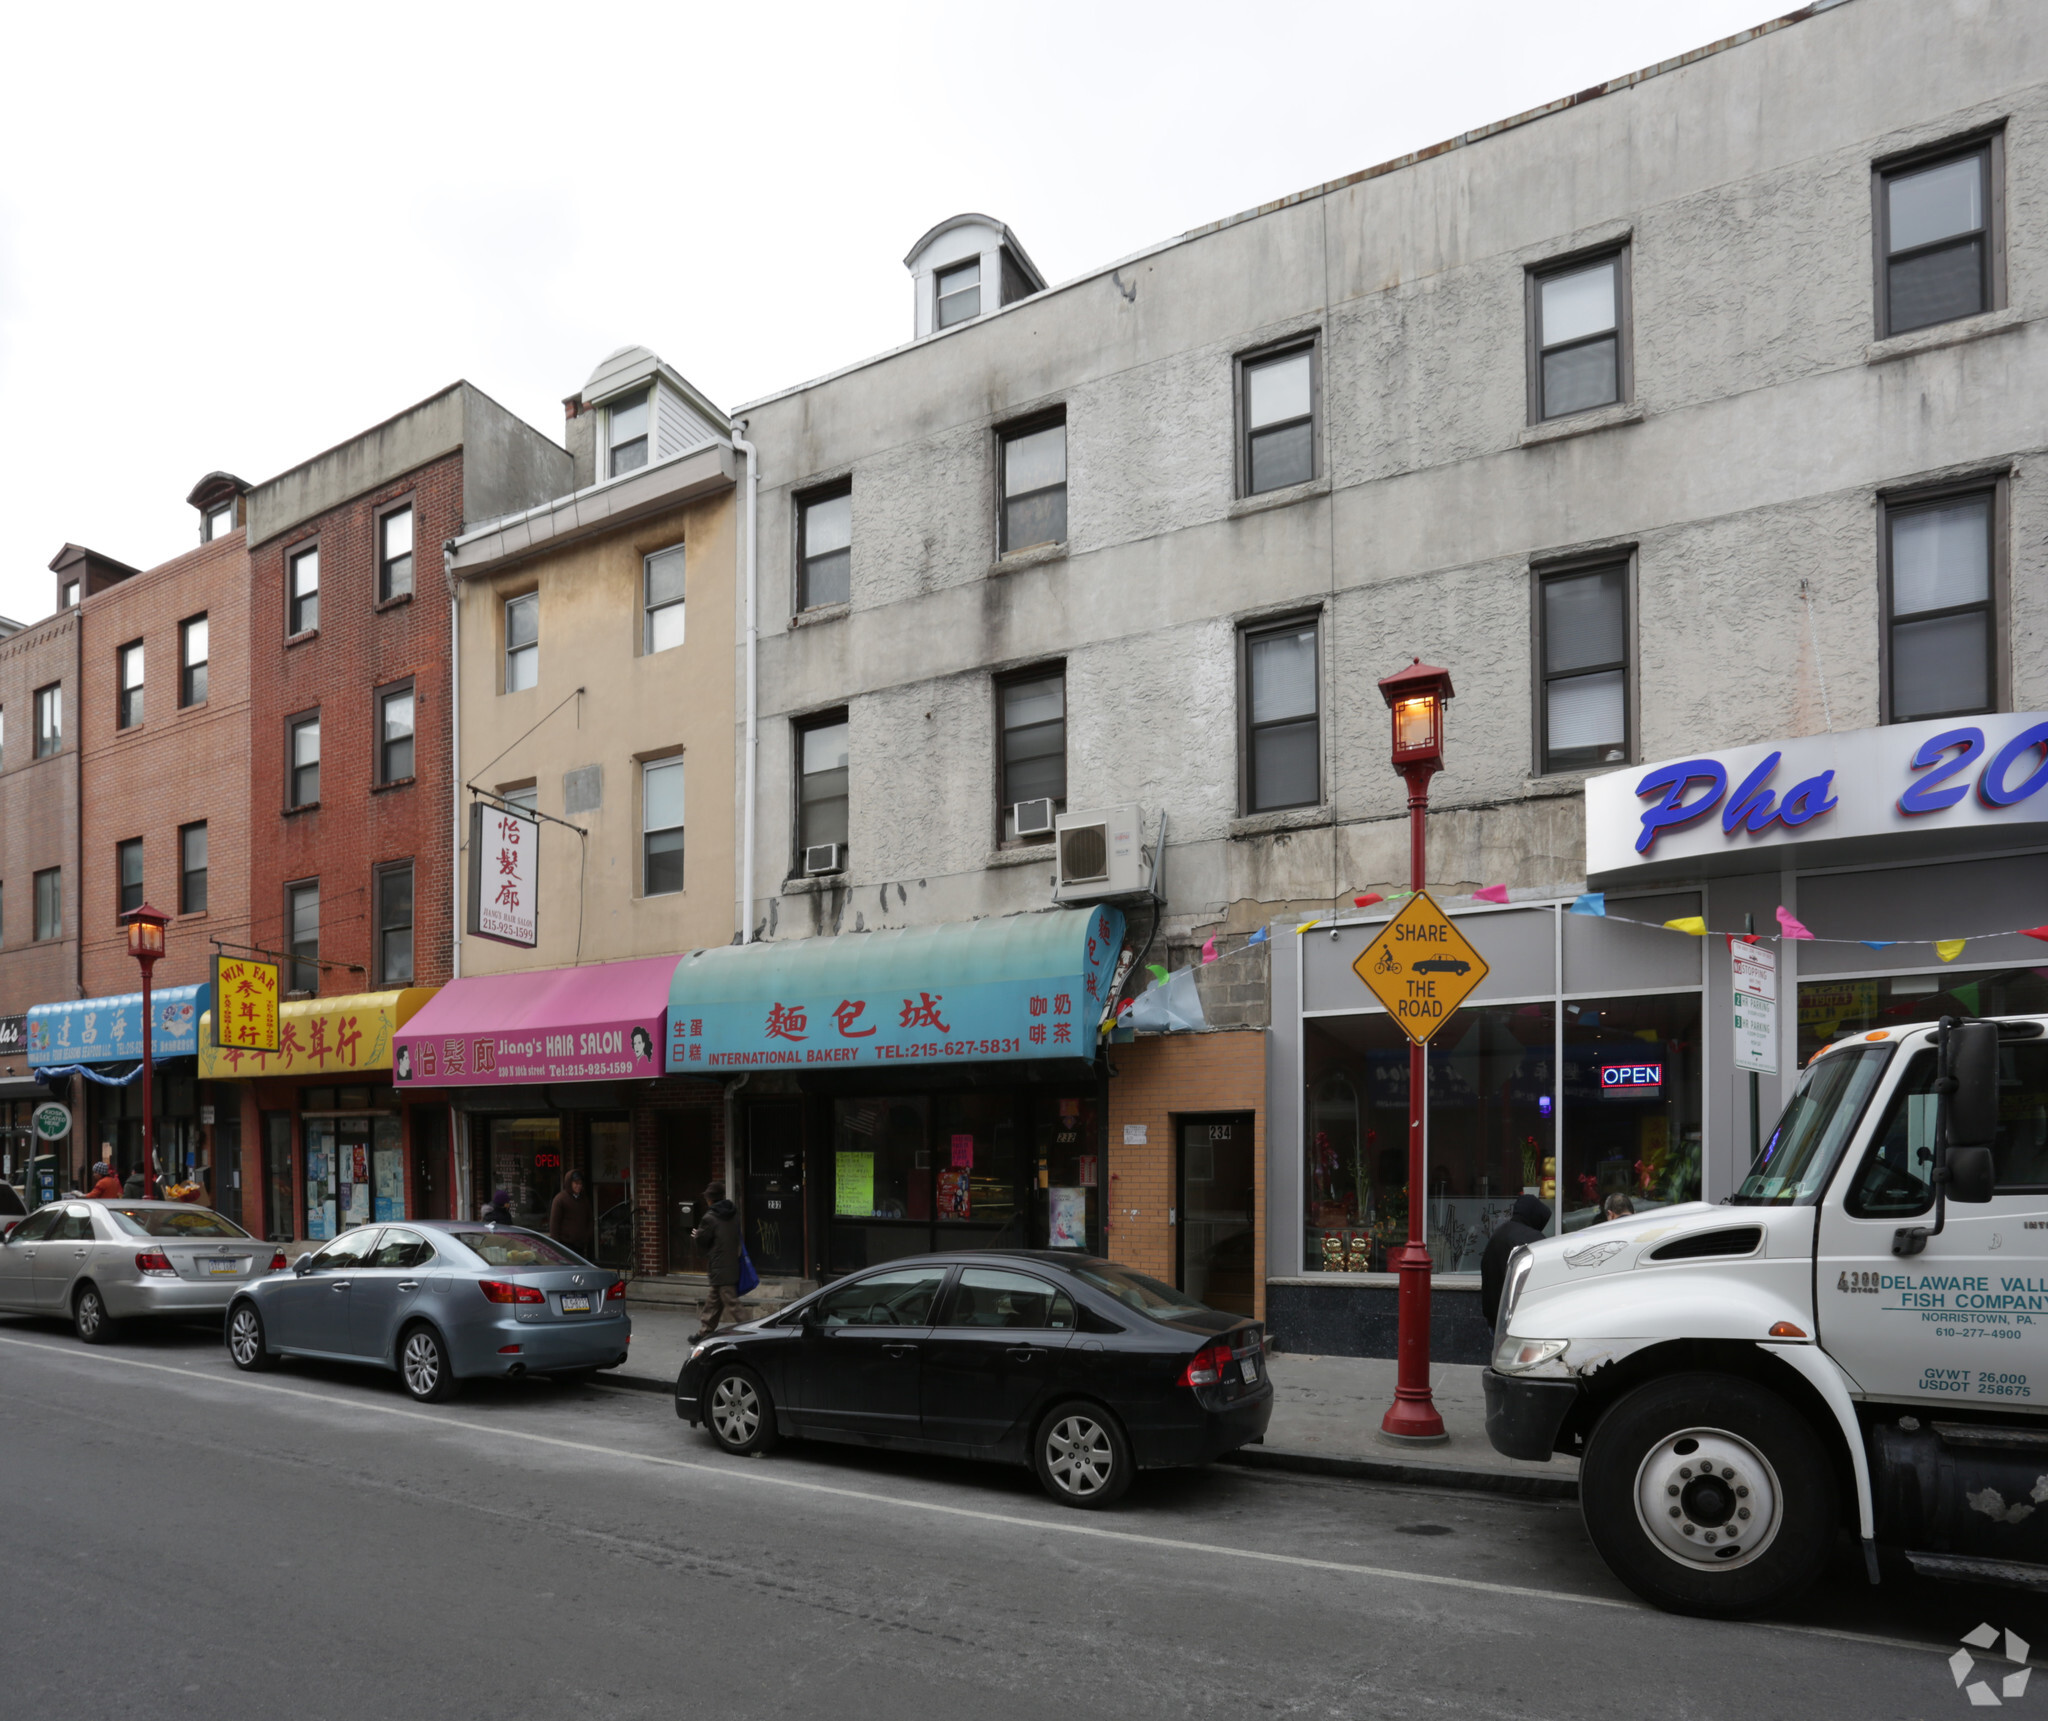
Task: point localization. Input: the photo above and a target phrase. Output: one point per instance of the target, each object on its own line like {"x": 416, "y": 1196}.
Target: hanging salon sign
{"x": 1947, "y": 786}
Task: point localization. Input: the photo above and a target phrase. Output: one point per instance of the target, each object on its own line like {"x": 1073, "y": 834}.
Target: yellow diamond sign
{"x": 1421, "y": 967}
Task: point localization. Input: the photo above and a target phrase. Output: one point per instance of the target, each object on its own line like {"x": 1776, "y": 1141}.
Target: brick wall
{"x": 38, "y": 816}
{"x": 1160, "y": 1079}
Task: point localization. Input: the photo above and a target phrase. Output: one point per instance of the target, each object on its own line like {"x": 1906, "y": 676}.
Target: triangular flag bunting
{"x": 1878, "y": 943}
{"x": 1948, "y": 949}
{"x": 1367, "y": 900}
{"x": 1590, "y": 902}
{"x": 1155, "y": 970}
{"x": 2040, "y": 932}
{"x": 1209, "y": 949}
{"x": 1258, "y": 937}
{"x": 1492, "y": 893}
{"x": 1691, "y": 923}
{"x": 1789, "y": 924}
{"x": 1305, "y": 926}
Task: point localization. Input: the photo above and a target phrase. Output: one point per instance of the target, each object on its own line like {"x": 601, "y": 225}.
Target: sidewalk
{"x": 1326, "y": 1417}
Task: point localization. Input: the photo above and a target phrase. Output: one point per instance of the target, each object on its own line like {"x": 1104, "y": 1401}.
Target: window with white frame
{"x": 626, "y": 428}
{"x": 662, "y": 595}
{"x": 129, "y": 665}
{"x": 302, "y": 591}
{"x": 522, "y": 643}
{"x": 959, "y": 292}
{"x": 661, "y": 826}
{"x": 394, "y": 554}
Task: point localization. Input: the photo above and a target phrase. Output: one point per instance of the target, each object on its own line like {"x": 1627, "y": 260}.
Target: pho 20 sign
{"x": 1421, "y": 967}
{"x": 504, "y": 874}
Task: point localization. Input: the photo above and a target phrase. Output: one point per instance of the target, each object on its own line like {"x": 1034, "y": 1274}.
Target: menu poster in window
{"x": 1067, "y": 1218}
{"x": 504, "y": 874}
{"x": 853, "y": 1190}
{"x": 963, "y": 1153}
{"x": 1086, "y": 1162}
{"x": 956, "y": 1199}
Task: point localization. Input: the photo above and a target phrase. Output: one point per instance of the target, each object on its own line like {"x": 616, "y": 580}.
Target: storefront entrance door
{"x": 688, "y": 1163}
{"x": 1216, "y": 1204}
{"x": 774, "y": 1206}
{"x": 611, "y": 1189}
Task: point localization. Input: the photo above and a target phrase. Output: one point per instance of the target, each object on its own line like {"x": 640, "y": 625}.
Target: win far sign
{"x": 1421, "y": 967}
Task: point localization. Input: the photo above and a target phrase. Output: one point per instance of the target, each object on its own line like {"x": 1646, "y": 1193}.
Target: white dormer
{"x": 645, "y": 413}
{"x": 966, "y": 267}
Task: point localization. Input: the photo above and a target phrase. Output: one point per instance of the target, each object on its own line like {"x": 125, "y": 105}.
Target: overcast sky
{"x": 234, "y": 238}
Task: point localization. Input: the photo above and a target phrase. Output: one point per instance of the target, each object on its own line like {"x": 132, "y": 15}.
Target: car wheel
{"x": 89, "y": 1317}
{"x": 1709, "y": 1494}
{"x": 739, "y": 1412}
{"x": 246, "y": 1347}
{"x": 1081, "y": 1456}
{"x": 423, "y": 1365}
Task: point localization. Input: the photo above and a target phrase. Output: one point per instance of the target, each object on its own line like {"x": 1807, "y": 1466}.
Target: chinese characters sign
{"x": 504, "y": 872}
{"x": 601, "y": 1022}
{"x": 245, "y": 1004}
{"x": 319, "y": 1036}
{"x": 109, "y": 1030}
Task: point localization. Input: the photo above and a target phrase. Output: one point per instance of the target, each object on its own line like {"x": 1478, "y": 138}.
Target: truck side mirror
{"x": 1973, "y": 1108}
{"x": 1971, "y": 1175}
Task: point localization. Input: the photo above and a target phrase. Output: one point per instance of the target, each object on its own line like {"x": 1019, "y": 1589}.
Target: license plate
{"x": 577, "y": 1304}
{"x": 1250, "y": 1365}
{"x": 215, "y": 1264}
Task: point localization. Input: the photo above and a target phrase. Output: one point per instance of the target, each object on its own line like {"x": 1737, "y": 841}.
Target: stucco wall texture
{"x": 1764, "y": 425}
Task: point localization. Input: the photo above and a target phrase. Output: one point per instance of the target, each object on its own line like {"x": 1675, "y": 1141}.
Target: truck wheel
{"x": 1708, "y": 1494}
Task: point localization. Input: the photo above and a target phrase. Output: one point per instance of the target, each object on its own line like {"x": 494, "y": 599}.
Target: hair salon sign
{"x": 1950, "y": 784}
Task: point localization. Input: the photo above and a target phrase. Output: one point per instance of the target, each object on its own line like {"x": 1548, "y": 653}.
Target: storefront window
{"x": 355, "y": 1173}
{"x": 1828, "y": 1009}
{"x": 1070, "y": 1171}
{"x": 980, "y": 1159}
{"x": 1632, "y": 1071}
{"x": 611, "y": 1189}
{"x": 526, "y": 1162}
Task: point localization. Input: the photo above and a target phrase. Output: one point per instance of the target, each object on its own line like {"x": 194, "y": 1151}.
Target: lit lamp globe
{"x": 1416, "y": 696}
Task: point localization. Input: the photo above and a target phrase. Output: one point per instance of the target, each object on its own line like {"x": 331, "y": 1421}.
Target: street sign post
{"x": 1754, "y": 968}
{"x": 1421, "y": 967}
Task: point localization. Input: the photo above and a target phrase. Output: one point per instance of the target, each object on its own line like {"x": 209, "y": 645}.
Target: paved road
{"x": 179, "y": 1540}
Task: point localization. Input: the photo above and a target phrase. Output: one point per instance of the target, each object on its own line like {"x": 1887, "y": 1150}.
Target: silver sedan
{"x": 103, "y": 1262}
{"x": 438, "y": 1301}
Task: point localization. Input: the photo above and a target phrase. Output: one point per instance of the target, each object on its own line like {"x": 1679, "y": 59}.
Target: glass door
{"x": 1216, "y": 1209}
{"x": 774, "y": 1205}
{"x": 611, "y": 1189}
{"x": 688, "y": 1163}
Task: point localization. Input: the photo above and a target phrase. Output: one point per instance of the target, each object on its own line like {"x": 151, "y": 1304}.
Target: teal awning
{"x": 1027, "y": 986}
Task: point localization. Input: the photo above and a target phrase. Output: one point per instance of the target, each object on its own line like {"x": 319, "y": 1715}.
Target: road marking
{"x": 1094, "y": 1532}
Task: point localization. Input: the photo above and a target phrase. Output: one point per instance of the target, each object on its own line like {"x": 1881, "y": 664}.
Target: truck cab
{"x": 1855, "y": 1341}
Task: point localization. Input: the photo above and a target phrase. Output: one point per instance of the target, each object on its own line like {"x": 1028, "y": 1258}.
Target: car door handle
{"x": 1024, "y": 1353}
{"x": 339, "y": 1285}
{"x": 408, "y": 1284}
{"x": 900, "y": 1350}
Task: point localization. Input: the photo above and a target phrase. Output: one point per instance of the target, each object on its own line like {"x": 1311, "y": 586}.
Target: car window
{"x": 902, "y": 1298}
{"x": 518, "y": 1249}
{"x": 347, "y": 1250}
{"x": 402, "y": 1249}
{"x": 36, "y": 1228}
{"x": 1139, "y": 1291}
{"x": 1895, "y": 1181}
{"x": 10, "y": 1201}
{"x": 993, "y": 1297}
{"x": 174, "y": 1222}
{"x": 75, "y": 1226}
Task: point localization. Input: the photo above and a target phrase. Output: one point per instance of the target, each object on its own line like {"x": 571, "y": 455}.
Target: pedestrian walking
{"x": 718, "y": 1235}
{"x": 499, "y": 1212}
{"x": 569, "y": 1218}
{"x": 105, "y": 1185}
{"x": 1528, "y": 1223}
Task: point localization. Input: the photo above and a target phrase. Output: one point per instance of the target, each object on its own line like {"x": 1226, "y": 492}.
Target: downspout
{"x": 454, "y": 752}
{"x": 751, "y": 508}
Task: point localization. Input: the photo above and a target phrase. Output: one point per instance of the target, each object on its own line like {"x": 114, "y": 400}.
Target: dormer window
{"x": 960, "y": 293}
{"x": 220, "y": 521}
{"x": 70, "y": 594}
{"x": 626, "y": 437}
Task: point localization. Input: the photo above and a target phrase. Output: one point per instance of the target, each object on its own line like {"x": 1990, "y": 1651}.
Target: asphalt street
{"x": 180, "y": 1540}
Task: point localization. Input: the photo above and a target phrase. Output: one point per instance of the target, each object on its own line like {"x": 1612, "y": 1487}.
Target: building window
{"x": 1576, "y": 313}
{"x": 1940, "y": 608}
{"x": 303, "y": 761}
{"x": 1582, "y": 618}
{"x": 49, "y": 719}
{"x": 70, "y": 597}
{"x": 1278, "y": 412}
{"x": 662, "y": 575}
{"x": 626, "y": 433}
{"x": 129, "y": 667}
{"x": 522, "y": 643}
{"x": 394, "y": 925}
{"x": 128, "y": 875}
{"x": 394, "y": 554}
{"x": 821, "y": 813}
{"x": 1033, "y": 714}
{"x": 661, "y": 824}
{"x": 1938, "y": 238}
{"x": 959, "y": 290}
{"x": 394, "y": 734}
{"x": 192, "y": 869}
{"x": 1282, "y": 748}
{"x": 302, "y": 935}
{"x": 50, "y": 903}
{"x": 192, "y": 648}
{"x": 303, "y": 591}
{"x": 526, "y": 797}
{"x": 1035, "y": 486}
{"x": 220, "y": 522}
{"x": 825, "y": 548}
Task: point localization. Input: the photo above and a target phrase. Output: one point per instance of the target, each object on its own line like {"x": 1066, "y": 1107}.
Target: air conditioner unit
{"x": 1101, "y": 854}
{"x": 1033, "y": 818}
{"x": 823, "y": 857}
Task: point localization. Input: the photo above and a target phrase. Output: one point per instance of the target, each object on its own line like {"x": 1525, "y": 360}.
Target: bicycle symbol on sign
{"x": 1388, "y": 962}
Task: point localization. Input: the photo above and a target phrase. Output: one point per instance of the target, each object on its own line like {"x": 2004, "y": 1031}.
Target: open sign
{"x": 1632, "y": 1080}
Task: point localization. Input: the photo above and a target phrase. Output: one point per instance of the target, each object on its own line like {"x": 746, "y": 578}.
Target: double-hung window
{"x": 1583, "y": 644}
{"x": 220, "y": 522}
{"x": 192, "y": 868}
{"x": 302, "y": 761}
{"x": 192, "y": 650}
{"x": 128, "y": 875}
{"x": 1578, "y": 313}
{"x": 661, "y": 826}
{"x": 1281, "y": 747}
{"x": 825, "y": 548}
{"x": 302, "y": 590}
{"x": 1940, "y": 594}
{"x": 49, "y": 719}
{"x": 959, "y": 293}
{"x": 302, "y": 934}
{"x": 1277, "y": 404}
{"x": 49, "y": 886}
{"x": 1034, "y": 485}
{"x": 395, "y": 733}
{"x": 822, "y": 801}
{"x": 662, "y": 594}
{"x": 394, "y": 925}
{"x": 626, "y": 434}
{"x": 128, "y": 664}
{"x": 1032, "y": 708}
{"x": 1938, "y": 238}
{"x": 394, "y": 554}
{"x": 522, "y": 642}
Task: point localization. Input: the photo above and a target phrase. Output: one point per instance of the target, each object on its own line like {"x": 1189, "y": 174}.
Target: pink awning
{"x": 598, "y": 1023}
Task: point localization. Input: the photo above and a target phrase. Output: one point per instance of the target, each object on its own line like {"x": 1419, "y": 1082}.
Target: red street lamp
{"x": 1416, "y": 696}
{"x": 146, "y": 943}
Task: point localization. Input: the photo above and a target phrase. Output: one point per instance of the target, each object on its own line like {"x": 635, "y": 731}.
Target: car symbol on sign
{"x": 1442, "y": 965}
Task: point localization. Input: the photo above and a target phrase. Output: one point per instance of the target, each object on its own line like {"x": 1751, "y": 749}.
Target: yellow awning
{"x": 319, "y": 1037}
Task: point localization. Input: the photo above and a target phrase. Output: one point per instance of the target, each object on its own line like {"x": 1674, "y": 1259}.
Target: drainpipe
{"x": 455, "y": 752}
{"x": 753, "y": 744}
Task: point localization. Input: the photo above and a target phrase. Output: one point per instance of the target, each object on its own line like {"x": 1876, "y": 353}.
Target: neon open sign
{"x": 1632, "y": 1080}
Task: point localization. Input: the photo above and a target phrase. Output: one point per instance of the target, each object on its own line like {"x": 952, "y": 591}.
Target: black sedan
{"x": 1084, "y": 1370}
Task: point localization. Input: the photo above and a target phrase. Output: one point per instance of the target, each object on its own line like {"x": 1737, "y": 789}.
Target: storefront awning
{"x": 598, "y": 1023}
{"x": 1028, "y": 986}
{"x": 336, "y": 1037}
{"x": 109, "y": 1030}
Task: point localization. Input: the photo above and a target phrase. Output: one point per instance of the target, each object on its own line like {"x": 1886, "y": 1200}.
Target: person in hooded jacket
{"x": 718, "y": 1235}
{"x": 569, "y": 1217}
{"x": 1528, "y": 1223}
{"x": 499, "y": 1210}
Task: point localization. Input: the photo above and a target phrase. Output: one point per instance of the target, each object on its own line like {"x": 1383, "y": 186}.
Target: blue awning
{"x": 109, "y": 1030}
{"x": 1029, "y": 986}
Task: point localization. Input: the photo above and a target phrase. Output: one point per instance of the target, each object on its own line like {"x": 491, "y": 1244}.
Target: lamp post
{"x": 1416, "y": 696}
{"x": 146, "y": 943}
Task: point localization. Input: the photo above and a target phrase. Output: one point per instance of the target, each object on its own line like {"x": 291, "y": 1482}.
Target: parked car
{"x": 439, "y": 1301}
{"x": 104, "y": 1262}
{"x": 13, "y": 1210}
{"x": 1081, "y": 1369}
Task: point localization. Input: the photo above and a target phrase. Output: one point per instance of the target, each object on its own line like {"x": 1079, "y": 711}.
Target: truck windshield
{"x": 1823, "y": 1113}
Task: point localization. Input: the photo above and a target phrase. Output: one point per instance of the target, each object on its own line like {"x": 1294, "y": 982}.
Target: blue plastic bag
{"x": 748, "y": 1277}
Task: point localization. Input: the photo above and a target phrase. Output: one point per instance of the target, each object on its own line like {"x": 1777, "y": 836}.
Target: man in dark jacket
{"x": 569, "y": 1221}
{"x": 1528, "y": 1223}
{"x": 718, "y": 1235}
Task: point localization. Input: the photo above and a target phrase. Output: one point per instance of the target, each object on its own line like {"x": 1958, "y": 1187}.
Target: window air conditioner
{"x": 1034, "y": 818}
{"x": 1101, "y": 854}
{"x": 823, "y": 857}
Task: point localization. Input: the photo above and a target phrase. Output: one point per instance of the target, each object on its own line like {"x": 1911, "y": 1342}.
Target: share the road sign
{"x": 1420, "y": 967}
